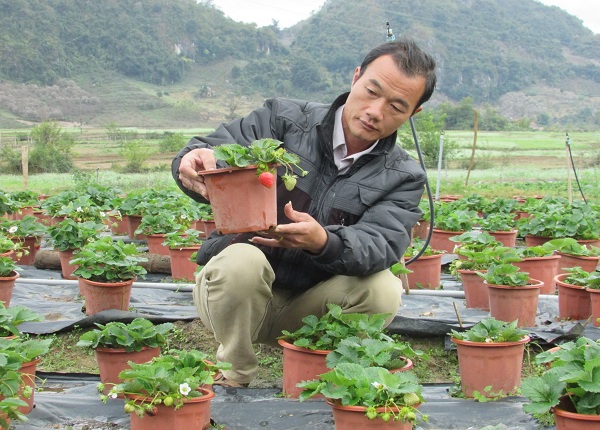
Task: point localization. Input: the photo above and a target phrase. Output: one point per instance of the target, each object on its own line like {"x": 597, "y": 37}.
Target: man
{"x": 339, "y": 229}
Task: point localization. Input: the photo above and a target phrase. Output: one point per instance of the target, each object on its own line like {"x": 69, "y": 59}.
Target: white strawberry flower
{"x": 184, "y": 389}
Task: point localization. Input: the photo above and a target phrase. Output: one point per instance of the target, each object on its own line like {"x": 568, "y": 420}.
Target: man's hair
{"x": 410, "y": 59}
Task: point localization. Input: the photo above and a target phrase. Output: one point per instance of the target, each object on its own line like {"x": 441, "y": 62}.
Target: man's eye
{"x": 371, "y": 92}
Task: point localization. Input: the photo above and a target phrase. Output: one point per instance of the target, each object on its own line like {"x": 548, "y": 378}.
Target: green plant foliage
{"x": 372, "y": 353}
{"x": 491, "y": 330}
{"x": 505, "y": 274}
{"x": 578, "y": 276}
{"x": 51, "y": 149}
{"x": 371, "y": 387}
{"x": 171, "y": 142}
{"x": 188, "y": 238}
{"x": 134, "y": 336}
{"x": 572, "y": 371}
{"x": 13, "y": 316}
{"x": 327, "y": 332}
{"x": 108, "y": 260}
{"x": 570, "y": 246}
{"x": 169, "y": 380}
{"x": 8, "y": 267}
{"x": 69, "y": 234}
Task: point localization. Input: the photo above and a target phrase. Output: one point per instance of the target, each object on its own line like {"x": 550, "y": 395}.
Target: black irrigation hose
{"x": 429, "y": 194}
{"x": 568, "y": 142}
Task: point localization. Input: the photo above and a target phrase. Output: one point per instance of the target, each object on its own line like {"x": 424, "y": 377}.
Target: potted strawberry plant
{"x": 182, "y": 246}
{"x": 156, "y": 225}
{"x": 371, "y": 397}
{"x": 541, "y": 263}
{"x": 490, "y": 357}
{"x": 501, "y": 226}
{"x": 513, "y": 294}
{"x": 450, "y": 221}
{"x": 426, "y": 271}
{"x": 27, "y": 233}
{"x": 574, "y": 300}
{"x": 574, "y": 254}
{"x": 69, "y": 236}
{"x": 243, "y": 196}
{"x": 8, "y": 275}
{"x": 170, "y": 392}
{"x": 106, "y": 270}
{"x": 117, "y": 343}
{"x": 27, "y": 353}
{"x": 305, "y": 350}
{"x": 567, "y": 389}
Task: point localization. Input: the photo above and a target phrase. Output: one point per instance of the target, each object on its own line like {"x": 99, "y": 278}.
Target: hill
{"x": 181, "y": 63}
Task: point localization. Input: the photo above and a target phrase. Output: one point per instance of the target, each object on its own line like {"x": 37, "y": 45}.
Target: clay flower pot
{"x": 30, "y": 244}
{"x": 543, "y": 269}
{"x": 28, "y": 371}
{"x": 495, "y": 364}
{"x": 566, "y": 418}
{"x": 111, "y": 361}
{"x": 440, "y": 239}
{"x": 155, "y": 245}
{"x": 568, "y": 261}
{"x": 476, "y": 290}
{"x": 240, "y": 203}
{"x": 573, "y": 300}
{"x": 7, "y": 285}
{"x": 181, "y": 266}
{"x": 133, "y": 222}
{"x": 208, "y": 226}
{"x": 194, "y": 414}
{"x": 353, "y": 417}
{"x": 531, "y": 240}
{"x": 100, "y": 296}
{"x": 509, "y": 303}
{"x": 506, "y": 238}
{"x": 421, "y": 229}
{"x": 119, "y": 227}
{"x": 66, "y": 267}
{"x": 300, "y": 364}
{"x": 595, "y": 302}
{"x": 426, "y": 272}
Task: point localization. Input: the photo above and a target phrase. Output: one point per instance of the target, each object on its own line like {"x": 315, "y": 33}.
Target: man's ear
{"x": 417, "y": 110}
{"x": 356, "y": 75}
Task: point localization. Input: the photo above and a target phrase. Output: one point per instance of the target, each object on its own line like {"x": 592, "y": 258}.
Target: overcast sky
{"x": 288, "y": 12}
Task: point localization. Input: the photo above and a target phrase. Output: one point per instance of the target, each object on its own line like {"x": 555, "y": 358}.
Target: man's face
{"x": 380, "y": 101}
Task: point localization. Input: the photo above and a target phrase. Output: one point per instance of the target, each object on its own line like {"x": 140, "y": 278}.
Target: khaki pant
{"x": 235, "y": 301}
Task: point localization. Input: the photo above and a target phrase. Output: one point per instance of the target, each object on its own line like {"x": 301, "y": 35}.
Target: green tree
{"x": 429, "y": 127}
{"x": 51, "y": 151}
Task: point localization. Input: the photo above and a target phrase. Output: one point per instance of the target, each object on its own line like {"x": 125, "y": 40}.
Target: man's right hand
{"x": 192, "y": 163}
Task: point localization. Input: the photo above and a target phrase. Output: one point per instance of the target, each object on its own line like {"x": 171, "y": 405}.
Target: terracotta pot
{"x": 506, "y": 238}
{"x": 573, "y": 301}
{"x": 155, "y": 245}
{"x": 42, "y": 217}
{"x": 208, "y": 227}
{"x": 421, "y": 229}
{"x": 66, "y": 267}
{"x": 111, "y": 361}
{"x": 427, "y": 272}
{"x": 119, "y": 227}
{"x": 531, "y": 240}
{"x": 193, "y": 415}
{"x": 543, "y": 269}
{"x": 440, "y": 239}
{"x": 567, "y": 261}
{"x": 589, "y": 243}
{"x": 595, "y": 301}
{"x": 133, "y": 222}
{"x": 300, "y": 364}
{"x": 515, "y": 303}
{"x": 100, "y": 296}
{"x": 450, "y": 198}
{"x": 566, "y": 418}
{"x": 181, "y": 266}
{"x": 32, "y": 245}
{"x": 492, "y": 364}
{"x": 7, "y": 285}
{"x": 239, "y": 202}
{"x": 21, "y": 213}
{"x": 353, "y": 417}
{"x": 28, "y": 376}
{"x": 476, "y": 290}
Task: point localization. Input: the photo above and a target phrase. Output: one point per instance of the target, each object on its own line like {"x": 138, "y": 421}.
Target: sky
{"x": 289, "y": 12}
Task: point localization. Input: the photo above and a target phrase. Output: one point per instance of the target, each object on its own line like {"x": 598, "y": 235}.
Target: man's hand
{"x": 304, "y": 232}
{"x": 193, "y": 162}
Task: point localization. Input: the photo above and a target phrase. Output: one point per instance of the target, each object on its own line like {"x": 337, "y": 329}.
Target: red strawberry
{"x": 267, "y": 179}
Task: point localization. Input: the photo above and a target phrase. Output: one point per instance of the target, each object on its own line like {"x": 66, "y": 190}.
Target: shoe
{"x": 220, "y": 380}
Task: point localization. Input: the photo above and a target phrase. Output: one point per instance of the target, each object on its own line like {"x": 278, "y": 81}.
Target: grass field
{"x": 506, "y": 164}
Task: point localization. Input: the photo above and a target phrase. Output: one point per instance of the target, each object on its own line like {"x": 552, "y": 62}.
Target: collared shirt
{"x": 342, "y": 161}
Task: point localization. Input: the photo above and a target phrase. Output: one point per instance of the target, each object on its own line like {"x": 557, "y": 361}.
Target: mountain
{"x": 154, "y": 63}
